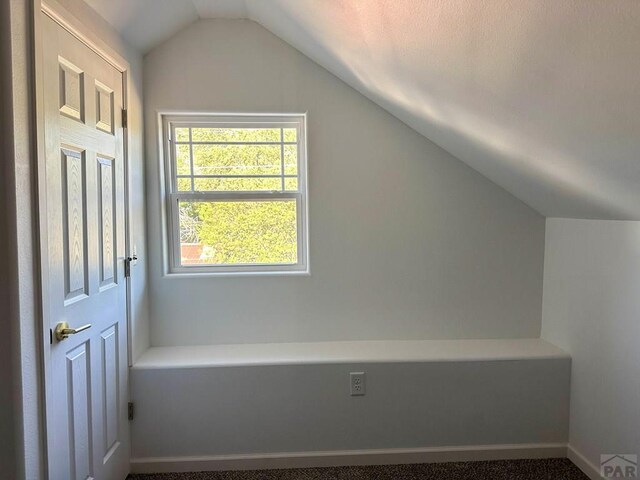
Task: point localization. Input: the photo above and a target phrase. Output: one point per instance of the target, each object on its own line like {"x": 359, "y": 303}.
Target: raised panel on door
{"x": 111, "y": 417}
{"x": 107, "y": 222}
{"x": 80, "y": 413}
{"x": 104, "y": 107}
{"x": 71, "y": 90}
{"x": 74, "y": 221}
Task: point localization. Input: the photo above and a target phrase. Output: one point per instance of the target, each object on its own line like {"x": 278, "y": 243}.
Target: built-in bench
{"x": 278, "y": 405}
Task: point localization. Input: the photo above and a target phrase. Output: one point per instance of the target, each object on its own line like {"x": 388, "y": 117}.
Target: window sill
{"x": 266, "y": 273}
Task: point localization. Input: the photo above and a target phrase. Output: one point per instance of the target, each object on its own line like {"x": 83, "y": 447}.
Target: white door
{"x": 84, "y": 265}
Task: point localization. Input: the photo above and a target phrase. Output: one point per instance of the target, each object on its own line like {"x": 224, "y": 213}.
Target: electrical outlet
{"x": 357, "y": 384}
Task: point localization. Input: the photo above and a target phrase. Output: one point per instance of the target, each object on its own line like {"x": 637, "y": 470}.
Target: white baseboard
{"x": 347, "y": 457}
{"x": 589, "y": 469}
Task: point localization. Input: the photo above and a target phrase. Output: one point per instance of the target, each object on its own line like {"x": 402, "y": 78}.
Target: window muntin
{"x": 237, "y": 193}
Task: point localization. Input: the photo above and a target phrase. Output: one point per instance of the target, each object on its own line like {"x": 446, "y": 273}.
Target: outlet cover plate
{"x": 357, "y": 384}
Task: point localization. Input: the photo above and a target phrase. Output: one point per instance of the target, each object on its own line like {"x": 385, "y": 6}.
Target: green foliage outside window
{"x": 237, "y": 232}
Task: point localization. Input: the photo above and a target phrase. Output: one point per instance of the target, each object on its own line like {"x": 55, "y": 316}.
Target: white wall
{"x": 262, "y": 409}
{"x": 592, "y": 310}
{"x": 8, "y": 408}
{"x": 19, "y": 300}
{"x": 406, "y": 241}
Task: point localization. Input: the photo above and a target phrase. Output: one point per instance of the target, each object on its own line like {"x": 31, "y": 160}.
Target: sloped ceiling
{"x": 540, "y": 96}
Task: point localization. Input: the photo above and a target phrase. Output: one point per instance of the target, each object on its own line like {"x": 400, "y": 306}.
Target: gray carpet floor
{"x": 547, "y": 469}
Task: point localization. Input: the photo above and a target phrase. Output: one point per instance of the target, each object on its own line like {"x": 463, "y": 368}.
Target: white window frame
{"x": 168, "y": 124}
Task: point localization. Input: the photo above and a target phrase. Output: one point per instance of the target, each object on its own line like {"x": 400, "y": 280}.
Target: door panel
{"x": 110, "y": 390}
{"x": 87, "y": 426}
{"x": 107, "y": 222}
{"x": 74, "y": 221}
{"x": 80, "y": 414}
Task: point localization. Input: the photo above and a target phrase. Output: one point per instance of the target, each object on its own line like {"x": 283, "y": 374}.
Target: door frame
{"x": 80, "y": 31}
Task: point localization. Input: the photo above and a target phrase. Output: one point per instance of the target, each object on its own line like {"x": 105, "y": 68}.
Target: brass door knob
{"x": 63, "y": 330}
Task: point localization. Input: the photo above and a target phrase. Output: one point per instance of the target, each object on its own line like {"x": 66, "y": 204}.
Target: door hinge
{"x": 127, "y": 265}
{"x": 124, "y": 118}
{"x": 130, "y": 411}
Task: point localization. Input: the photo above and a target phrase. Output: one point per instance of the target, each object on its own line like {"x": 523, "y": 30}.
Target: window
{"x": 236, "y": 193}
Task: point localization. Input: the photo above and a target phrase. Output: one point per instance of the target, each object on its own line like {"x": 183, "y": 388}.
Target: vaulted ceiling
{"x": 540, "y": 96}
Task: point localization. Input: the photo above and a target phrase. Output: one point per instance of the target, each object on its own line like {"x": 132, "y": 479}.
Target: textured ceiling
{"x": 541, "y": 96}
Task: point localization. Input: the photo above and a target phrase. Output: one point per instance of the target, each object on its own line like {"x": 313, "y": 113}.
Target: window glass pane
{"x": 237, "y": 184}
{"x": 183, "y": 163}
{"x": 290, "y": 135}
{"x": 291, "y": 184}
{"x": 184, "y": 184}
{"x": 290, "y": 159}
{"x": 182, "y": 134}
{"x": 236, "y": 160}
{"x": 238, "y": 233}
{"x": 235, "y": 134}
